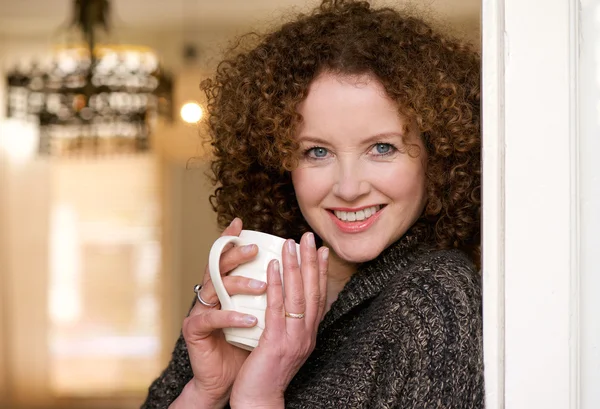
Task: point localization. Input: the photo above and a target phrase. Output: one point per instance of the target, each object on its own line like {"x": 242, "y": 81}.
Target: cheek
{"x": 403, "y": 181}
{"x": 301, "y": 181}
{"x": 311, "y": 186}
{"x": 419, "y": 189}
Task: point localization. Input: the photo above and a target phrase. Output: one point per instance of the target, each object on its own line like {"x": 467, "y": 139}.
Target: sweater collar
{"x": 370, "y": 278}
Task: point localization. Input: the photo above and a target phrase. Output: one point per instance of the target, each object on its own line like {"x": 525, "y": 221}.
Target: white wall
{"x": 590, "y": 203}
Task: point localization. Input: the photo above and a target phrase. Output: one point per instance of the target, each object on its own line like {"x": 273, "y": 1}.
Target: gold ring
{"x": 294, "y": 315}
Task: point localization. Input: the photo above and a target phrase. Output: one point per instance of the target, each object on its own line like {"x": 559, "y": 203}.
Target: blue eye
{"x": 317, "y": 152}
{"x": 383, "y": 149}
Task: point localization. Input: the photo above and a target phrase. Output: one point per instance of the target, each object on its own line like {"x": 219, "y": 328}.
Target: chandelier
{"x": 88, "y": 97}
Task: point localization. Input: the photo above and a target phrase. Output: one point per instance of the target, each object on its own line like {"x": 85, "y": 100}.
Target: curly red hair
{"x": 434, "y": 79}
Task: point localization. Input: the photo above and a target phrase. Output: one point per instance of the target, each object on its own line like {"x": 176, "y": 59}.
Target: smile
{"x": 355, "y": 221}
{"x": 357, "y": 216}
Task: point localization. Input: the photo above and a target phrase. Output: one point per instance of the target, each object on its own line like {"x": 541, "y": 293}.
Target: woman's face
{"x": 356, "y": 184}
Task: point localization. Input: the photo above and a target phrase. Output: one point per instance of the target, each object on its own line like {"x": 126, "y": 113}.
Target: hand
{"x": 214, "y": 361}
{"x": 286, "y": 342}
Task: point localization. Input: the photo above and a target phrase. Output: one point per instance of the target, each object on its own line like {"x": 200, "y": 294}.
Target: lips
{"x": 358, "y": 215}
{"x": 355, "y": 221}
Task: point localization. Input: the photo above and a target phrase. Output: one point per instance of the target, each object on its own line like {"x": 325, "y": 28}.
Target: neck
{"x": 338, "y": 274}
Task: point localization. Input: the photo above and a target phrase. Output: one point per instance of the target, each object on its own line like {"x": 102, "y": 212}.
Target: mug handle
{"x": 214, "y": 259}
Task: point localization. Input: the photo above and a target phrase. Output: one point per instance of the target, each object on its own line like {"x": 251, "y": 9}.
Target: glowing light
{"x": 191, "y": 112}
{"x": 18, "y": 139}
{"x": 65, "y": 267}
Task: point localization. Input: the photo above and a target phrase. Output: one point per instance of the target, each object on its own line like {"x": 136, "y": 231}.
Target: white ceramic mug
{"x": 269, "y": 248}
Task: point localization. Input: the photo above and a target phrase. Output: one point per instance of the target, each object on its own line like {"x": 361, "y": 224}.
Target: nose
{"x": 351, "y": 182}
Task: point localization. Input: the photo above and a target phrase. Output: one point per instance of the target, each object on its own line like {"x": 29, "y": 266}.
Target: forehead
{"x": 353, "y": 106}
{"x": 328, "y": 87}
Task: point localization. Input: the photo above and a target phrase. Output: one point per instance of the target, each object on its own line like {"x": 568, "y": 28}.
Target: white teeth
{"x": 357, "y": 216}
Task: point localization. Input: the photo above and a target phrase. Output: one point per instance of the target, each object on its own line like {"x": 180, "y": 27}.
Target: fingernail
{"x": 291, "y": 247}
{"x": 311, "y": 240}
{"x": 276, "y": 266}
{"x": 249, "y": 319}
{"x": 325, "y": 254}
{"x": 256, "y": 284}
{"x": 247, "y": 248}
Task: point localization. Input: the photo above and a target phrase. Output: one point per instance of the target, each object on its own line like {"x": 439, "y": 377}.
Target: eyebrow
{"x": 372, "y": 139}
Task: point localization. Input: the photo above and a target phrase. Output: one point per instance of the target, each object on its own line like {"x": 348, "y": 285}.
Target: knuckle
{"x": 294, "y": 268}
{"x": 322, "y": 301}
{"x": 297, "y": 298}
{"x": 312, "y": 257}
{"x": 231, "y": 283}
{"x": 277, "y": 307}
{"x": 315, "y": 297}
{"x": 203, "y": 322}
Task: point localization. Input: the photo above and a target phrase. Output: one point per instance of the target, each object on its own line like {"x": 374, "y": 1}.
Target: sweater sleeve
{"x": 434, "y": 357}
{"x": 168, "y": 386}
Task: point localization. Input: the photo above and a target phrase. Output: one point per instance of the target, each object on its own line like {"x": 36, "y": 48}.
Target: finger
{"x": 292, "y": 284}
{"x": 323, "y": 268}
{"x": 275, "y": 312}
{"x": 310, "y": 276}
{"x": 200, "y": 326}
{"x": 236, "y": 256}
{"x": 234, "y": 285}
{"x": 230, "y": 260}
{"x": 234, "y": 229}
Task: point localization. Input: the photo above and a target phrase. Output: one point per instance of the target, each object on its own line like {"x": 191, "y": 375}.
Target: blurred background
{"x": 105, "y": 222}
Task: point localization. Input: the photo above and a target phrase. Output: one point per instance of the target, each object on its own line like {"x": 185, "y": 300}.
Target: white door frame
{"x": 530, "y": 196}
{"x": 493, "y": 157}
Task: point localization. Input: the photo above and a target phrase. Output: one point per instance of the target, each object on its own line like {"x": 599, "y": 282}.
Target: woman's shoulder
{"x": 437, "y": 286}
{"x": 451, "y": 270}
{"x": 428, "y": 321}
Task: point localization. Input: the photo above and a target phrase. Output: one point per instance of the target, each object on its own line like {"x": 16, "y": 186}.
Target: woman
{"x": 355, "y": 131}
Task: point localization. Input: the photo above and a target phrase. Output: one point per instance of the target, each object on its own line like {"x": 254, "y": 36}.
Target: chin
{"x": 358, "y": 254}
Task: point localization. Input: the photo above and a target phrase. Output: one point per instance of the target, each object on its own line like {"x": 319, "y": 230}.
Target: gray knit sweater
{"x": 405, "y": 332}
